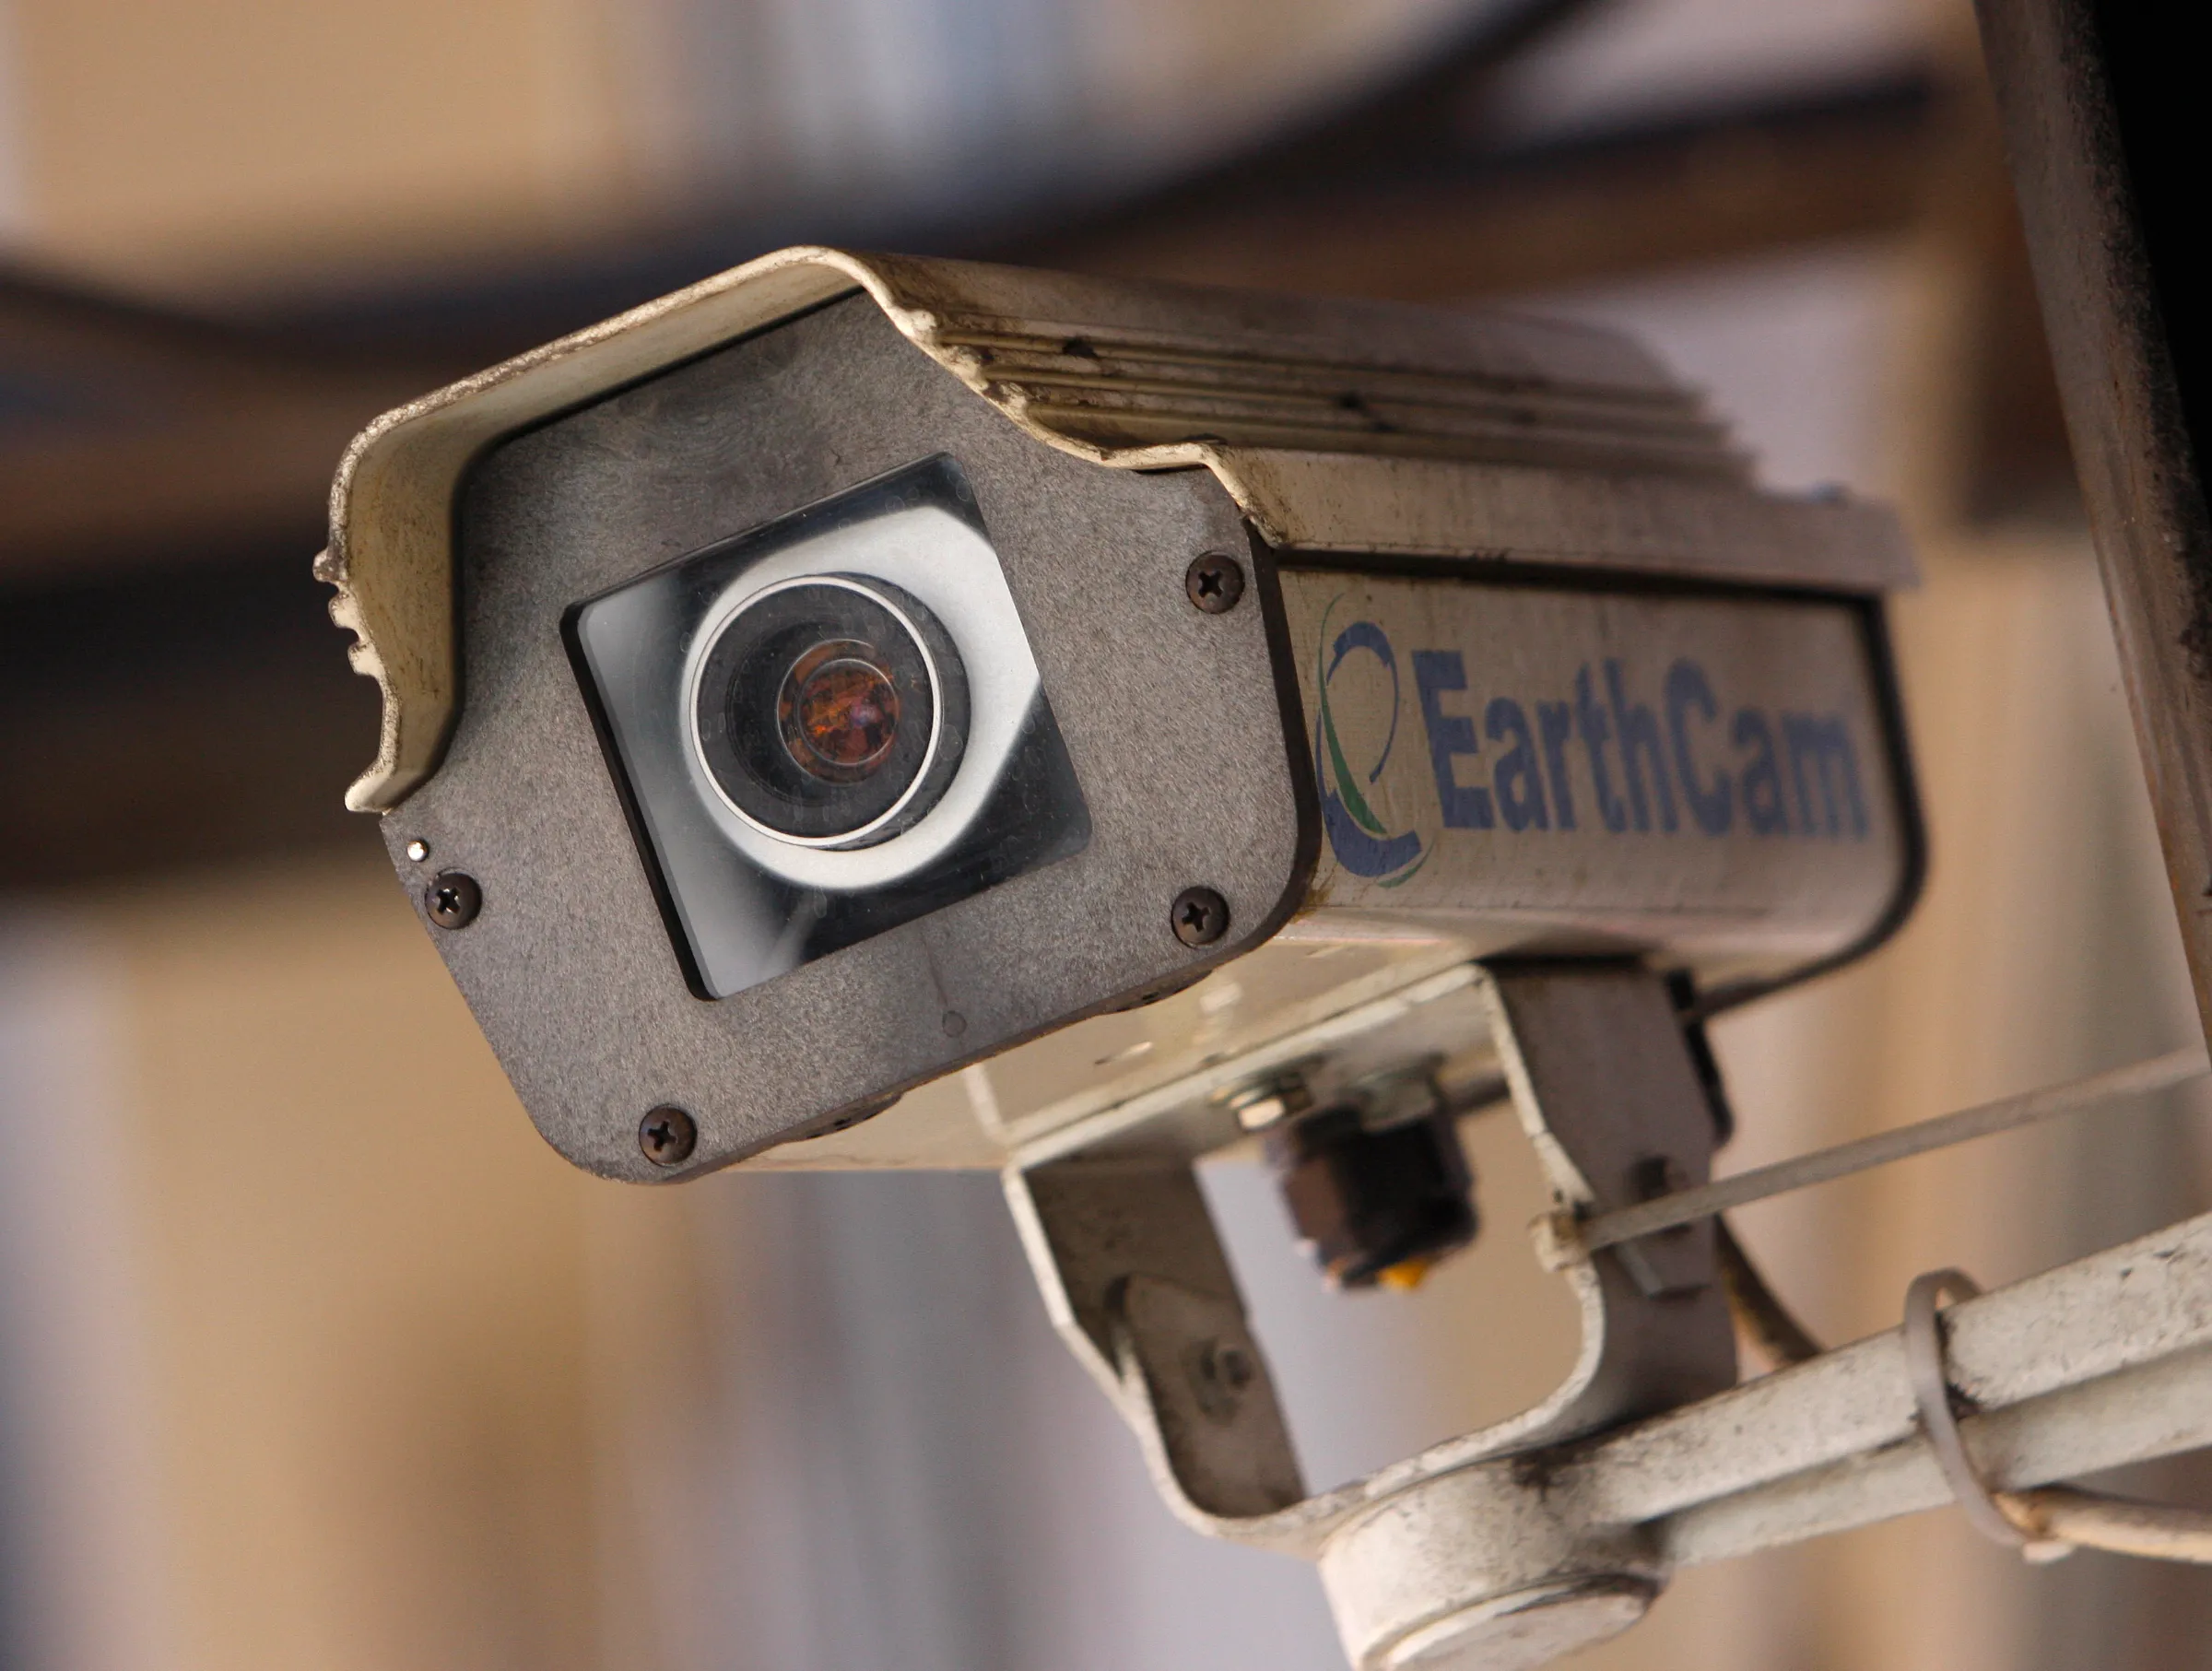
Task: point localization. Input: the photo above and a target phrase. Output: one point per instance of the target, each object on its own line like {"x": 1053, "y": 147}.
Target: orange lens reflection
{"x": 838, "y": 710}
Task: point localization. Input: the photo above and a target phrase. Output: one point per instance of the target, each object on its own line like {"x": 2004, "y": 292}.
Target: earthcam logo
{"x": 1361, "y": 842}
{"x": 1604, "y": 756}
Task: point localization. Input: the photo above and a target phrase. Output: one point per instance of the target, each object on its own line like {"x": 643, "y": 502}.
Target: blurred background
{"x": 312, "y": 1356}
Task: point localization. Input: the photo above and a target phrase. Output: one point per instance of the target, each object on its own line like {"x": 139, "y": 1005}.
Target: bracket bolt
{"x": 1199, "y": 916}
{"x": 453, "y": 899}
{"x": 1220, "y": 1372}
{"x": 1215, "y": 583}
{"x": 668, "y": 1135}
{"x": 1271, "y": 1100}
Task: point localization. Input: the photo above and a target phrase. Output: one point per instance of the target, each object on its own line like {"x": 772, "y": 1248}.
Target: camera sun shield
{"x": 826, "y": 726}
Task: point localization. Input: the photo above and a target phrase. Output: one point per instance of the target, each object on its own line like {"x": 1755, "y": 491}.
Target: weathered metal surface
{"x": 1138, "y": 1283}
{"x": 1565, "y": 517}
{"x": 1507, "y": 1547}
{"x": 393, "y": 501}
{"x": 1608, "y": 1092}
{"x": 2111, "y": 345}
{"x": 1572, "y": 768}
{"x": 1356, "y": 972}
{"x": 1429, "y": 1562}
{"x": 1479, "y": 1570}
{"x": 2140, "y": 1415}
{"x": 1475, "y": 1571}
{"x": 2114, "y": 1314}
{"x": 2101, "y": 1362}
{"x": 2104, "y": 1362}
{"x": 1366, "y": 1010}
{"x": 1115, "y": 367}
{"x": 1640, "y": 1351}
{"x": 570, "y": 967}
{"x": 1387, "y": 420}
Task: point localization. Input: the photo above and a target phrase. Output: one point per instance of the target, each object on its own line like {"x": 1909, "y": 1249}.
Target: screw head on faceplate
{"x": 1215, "y": 583}
{"x": 453, "y": 899}
{"x": 1199, "y": 916}
{"x": 668, "y": 1136}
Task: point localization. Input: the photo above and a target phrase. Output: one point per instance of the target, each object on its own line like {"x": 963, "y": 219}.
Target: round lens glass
{"x": 830, "y": 710}
{"x": 838, "y": 710}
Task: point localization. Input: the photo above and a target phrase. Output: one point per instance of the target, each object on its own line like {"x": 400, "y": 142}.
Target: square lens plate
{"x": 744, "y": 906}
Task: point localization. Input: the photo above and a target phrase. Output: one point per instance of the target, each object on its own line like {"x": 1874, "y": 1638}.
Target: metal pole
{"x": 2110, "y": 231}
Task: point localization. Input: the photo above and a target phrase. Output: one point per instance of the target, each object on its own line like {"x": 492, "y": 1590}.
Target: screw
{"x": 1220, "y": 1372}
{"x": 668, "y": 1135}
{"x": 1232, "y": 1366}
{"x": 453, "y": 898}
{"x": 1200, "y": 916}
{"x": 1271, "y": 1100}
{"x": 1215, "y": 583}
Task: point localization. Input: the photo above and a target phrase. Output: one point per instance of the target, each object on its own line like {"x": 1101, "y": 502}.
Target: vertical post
{"x": 2107, "y": 179}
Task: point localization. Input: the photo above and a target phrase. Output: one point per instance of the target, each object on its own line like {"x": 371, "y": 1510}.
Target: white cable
{"x": 1648, "y": 1218}
{"x": 2119, "y": 1524}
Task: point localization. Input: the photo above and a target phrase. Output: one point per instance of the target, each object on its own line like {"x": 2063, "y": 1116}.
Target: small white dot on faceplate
{"x": 419, "y": 850}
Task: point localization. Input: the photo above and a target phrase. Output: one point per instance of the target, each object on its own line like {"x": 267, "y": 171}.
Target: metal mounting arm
{"x": 1138, "y": 1285}
{"x": 1512, "y": 1545}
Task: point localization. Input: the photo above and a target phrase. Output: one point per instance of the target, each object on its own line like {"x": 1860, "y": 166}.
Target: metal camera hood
{"x": 1471, "y": 473}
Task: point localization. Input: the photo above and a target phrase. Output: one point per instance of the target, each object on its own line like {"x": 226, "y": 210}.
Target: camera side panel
{"x": 1710, "y": 775}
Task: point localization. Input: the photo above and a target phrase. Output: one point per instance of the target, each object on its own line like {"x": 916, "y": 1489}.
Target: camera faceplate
{"x": 762, "y": 861}
{"x": 1171, "y": 718}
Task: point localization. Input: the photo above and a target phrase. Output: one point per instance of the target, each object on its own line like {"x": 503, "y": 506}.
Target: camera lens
{"x": 830, "y": 711}
{"x": 839, "y": 709}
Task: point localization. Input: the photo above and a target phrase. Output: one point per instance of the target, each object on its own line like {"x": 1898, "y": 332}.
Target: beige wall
{"x": 364, "y": 1277}
{"x": 223, "y": 146}
{"x": 225, "y": 141}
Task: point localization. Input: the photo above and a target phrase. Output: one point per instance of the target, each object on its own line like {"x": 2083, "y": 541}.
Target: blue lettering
{"x": 1787, "y": 772}
{"x": 1823, "y": 741}
{"x": 1519, "y": 783}
{"x": 1638, "y": 728}
{"x": 1763, "y": 810}
{"x": 1450, "y": 735}
{"x": 1687, "y": 687}
{"x": 1556, "y": 721}
{"x": 1591, "y": 718}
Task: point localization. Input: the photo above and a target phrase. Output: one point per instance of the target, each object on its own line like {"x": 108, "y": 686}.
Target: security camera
{"x": 871, "y": 712}
{"x": 854, "y": 669}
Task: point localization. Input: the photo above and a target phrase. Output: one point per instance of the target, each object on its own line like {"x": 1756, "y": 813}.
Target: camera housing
{"x": 853, "y": 669}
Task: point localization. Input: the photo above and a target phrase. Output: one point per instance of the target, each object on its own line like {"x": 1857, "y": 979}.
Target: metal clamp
{"x": 1932, "y": 1395}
